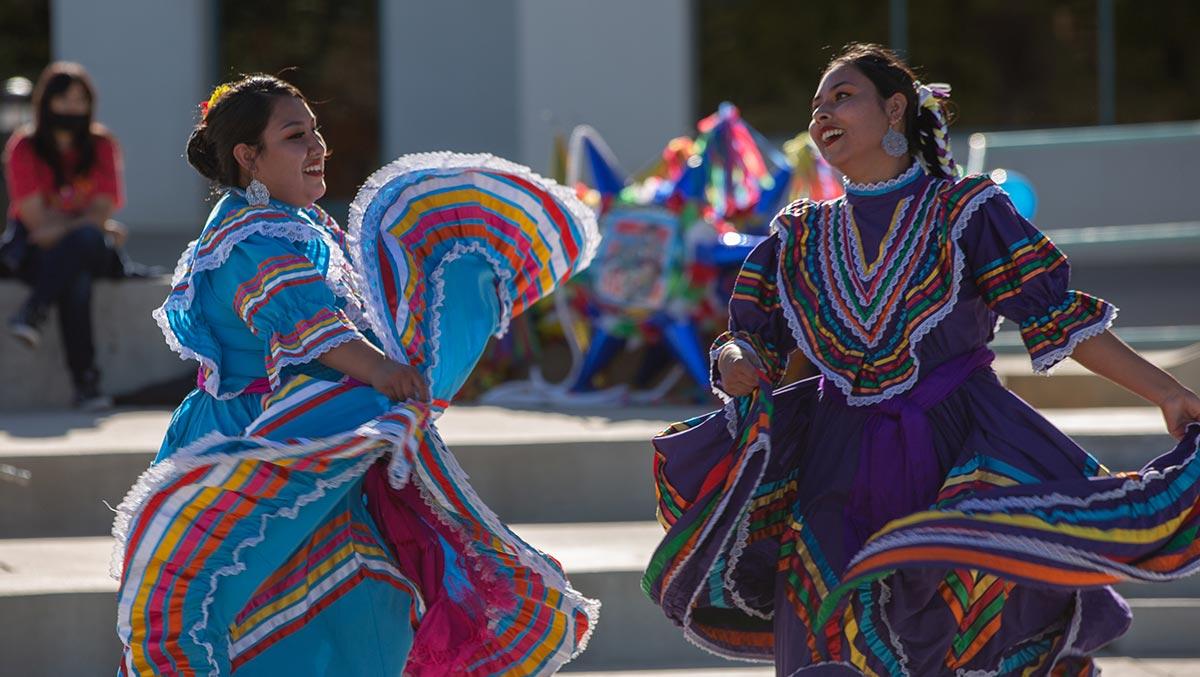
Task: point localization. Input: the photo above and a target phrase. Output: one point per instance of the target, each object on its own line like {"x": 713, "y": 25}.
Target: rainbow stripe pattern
{"x": 227, "y": 550}
{"x": 1051, "y": 337}
{"x": 323, "y": 261}
{"x": 997, "y": 533}
{"x": 716, "y": 508}
{"x": 1026, "y": 259}
{"x": 433, "y": 208}
{"x": 191, "y": 521}
{"x": 860, "y": 321}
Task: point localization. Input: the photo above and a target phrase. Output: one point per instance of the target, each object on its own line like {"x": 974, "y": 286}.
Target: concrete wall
{"x": 522, "y": 70}
{"x": 504, "y": 82}
{"x": 151, "y": 61}
{"x": 448, "y": 83}
{"x": 623, "y": 66}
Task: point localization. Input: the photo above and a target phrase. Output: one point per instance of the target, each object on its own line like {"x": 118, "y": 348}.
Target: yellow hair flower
{"x": 217, "y": 93}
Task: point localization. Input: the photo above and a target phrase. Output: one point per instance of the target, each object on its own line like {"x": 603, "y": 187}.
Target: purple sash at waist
{"x": 898, "y": 471}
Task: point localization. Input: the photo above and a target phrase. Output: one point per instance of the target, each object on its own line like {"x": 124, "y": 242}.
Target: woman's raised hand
{"x": 739, "y": 370}
{"x": 399, "y": 381}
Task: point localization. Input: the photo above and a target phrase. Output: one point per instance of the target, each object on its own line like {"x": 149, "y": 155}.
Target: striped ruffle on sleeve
{"x": 1022, "y": 276}
{"x": 1052, "y": 337}
{"x": 288, "y": 304}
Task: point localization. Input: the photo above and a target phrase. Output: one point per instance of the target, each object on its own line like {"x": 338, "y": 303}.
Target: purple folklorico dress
{"x": 904, "y": 513}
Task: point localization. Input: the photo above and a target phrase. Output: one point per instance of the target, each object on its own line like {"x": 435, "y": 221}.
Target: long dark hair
{"x": 239, "y": 114}
{"x": 890, "y": 74}
{"x": 56, "y": 79}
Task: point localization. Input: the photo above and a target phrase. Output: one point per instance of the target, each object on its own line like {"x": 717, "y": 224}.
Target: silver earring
{"x": 894, "y": 143}
{"x": 257, "y": 193}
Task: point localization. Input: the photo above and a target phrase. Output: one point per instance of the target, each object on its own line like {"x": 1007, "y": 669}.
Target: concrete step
{"x": 43, "y": 581}
{"x": 530, "y": 466}
{"x": 1070, "y": 385}
{"x": 49, "y": 587}
{"x": 130, "y": 351}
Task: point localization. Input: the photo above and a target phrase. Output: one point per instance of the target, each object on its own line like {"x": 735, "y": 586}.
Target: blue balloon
{"x": 1020, "y": 191}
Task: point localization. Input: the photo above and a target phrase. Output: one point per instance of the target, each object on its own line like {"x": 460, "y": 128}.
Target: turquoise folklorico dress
{"x": 298, "y": 522}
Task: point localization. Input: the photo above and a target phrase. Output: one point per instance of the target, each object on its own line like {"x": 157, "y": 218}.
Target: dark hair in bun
{"x": 239, "y": 114}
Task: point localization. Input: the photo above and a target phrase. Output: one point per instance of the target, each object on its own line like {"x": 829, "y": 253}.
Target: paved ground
{"x": 72, "y": 433}
{"x": 1111, "y": 667}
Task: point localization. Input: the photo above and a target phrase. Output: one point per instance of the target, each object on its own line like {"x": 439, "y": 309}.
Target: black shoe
{"x": 87, "y": 393}
{"x": 24, "y": 326}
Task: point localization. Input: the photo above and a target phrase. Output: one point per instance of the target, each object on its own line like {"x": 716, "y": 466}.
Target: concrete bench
{"x": 130, "y": 350}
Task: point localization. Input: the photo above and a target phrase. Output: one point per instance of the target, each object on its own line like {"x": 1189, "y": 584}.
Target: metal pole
{"x": 1106, "y": 60}
{"x": 899, "y": 27}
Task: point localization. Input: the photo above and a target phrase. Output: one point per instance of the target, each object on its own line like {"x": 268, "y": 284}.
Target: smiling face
{"x": 290, "y": 158}
{"x": 849, "y": 120}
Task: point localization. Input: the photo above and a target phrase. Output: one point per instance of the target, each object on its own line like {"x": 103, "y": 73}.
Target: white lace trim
{"x": 763, "y": 442}
{"x": 856, "y": 246}
{"x": 832, "y": 255}
{"x": 844, "y": 385}
{"x": 311, "y": 353}
{"x": 1068, "y": 648}
{"x": 963, "y": 672}
{"x": 189, "y": 266}
{"x": 237, "y": 566}
{"x": 192, "y": 456}
{"x": 728, "y": 401}
{"x": 741, "y": 536}
{"x": 1045, "y": 364}
{"x": 885, "y": 596}
{"x": 438, "y": 282}
{"x": 166, "y": 471}
{"x": 1021, "y": 546}
{"x": 358, "y": 241}
{"x": 528, "y": 555}
{"x": 374, "y": 433}
{"x": 882, "y": 186}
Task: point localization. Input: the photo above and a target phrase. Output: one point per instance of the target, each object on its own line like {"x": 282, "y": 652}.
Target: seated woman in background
{"x": 64, "y": 183}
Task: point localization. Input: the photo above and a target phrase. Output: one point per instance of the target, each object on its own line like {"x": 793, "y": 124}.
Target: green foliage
{"x": 24, "y": 38}
{"x": 330, "y": 50}
{"x": 1013, "y": 63}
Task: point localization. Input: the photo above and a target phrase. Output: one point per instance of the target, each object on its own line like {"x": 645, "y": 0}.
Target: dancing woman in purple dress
{"x": 903, "y": 513}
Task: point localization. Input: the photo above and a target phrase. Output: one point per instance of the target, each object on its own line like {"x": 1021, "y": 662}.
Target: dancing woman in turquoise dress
{"x": 303, "y": 516}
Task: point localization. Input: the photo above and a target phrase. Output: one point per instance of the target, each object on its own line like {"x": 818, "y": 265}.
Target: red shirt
{"x": 27, "y": 174}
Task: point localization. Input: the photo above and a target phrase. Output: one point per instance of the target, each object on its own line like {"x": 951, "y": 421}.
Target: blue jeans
{"x": 62, "y": 275}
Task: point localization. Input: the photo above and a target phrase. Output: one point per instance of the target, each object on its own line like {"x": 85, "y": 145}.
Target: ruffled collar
{"x": 905, "y": 179}
{"x": 240, "y": 193}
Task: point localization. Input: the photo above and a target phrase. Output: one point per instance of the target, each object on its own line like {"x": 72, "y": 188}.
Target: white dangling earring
{"x": 894, "y": 143}
{"x": 257, "y": 193}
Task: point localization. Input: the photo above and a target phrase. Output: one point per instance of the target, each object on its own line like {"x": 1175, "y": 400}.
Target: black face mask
{"x": 67, "y": 123}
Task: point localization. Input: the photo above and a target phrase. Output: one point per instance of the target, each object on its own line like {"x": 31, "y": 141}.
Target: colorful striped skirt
{"x": 323, "y": 529}
{"x": 1004, "y": 568}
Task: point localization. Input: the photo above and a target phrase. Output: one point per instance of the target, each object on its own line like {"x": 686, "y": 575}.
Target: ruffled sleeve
{"x": 1021, "y": 275}
{"x": 756, "y": 320}
{"x": 283, "y": 298}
